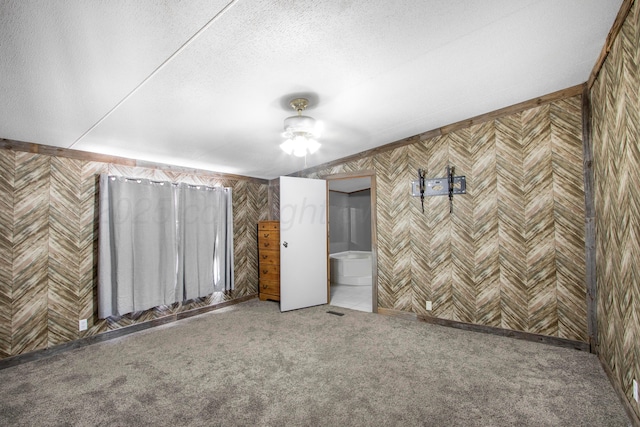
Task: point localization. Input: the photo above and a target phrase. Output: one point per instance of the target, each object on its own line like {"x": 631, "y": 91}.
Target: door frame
{"x": 366, "y": 173}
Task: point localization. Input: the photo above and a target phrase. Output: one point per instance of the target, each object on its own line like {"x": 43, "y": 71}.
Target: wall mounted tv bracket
{"x": 445, "y": 186}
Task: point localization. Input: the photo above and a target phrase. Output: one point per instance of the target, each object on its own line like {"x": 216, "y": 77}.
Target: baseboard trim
{"x": 525, "y": 336}
{"x": 116, "y": 333}
{"x": 397, "y": 313}
{"x": 633, "y": 417}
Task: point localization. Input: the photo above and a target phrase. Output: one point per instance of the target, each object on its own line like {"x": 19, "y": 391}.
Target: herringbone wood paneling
{"x": 246, "y": 201}
{"x": 568, "y": 195}
{"x": 440, "y": 225}
{"x": 30, "y": 252}
{"x": 629, "y": 226}
{"x": 258, "y": 197}
{"x": 615, "y": 106}
{"x": 512, "y": 252}
{"x": 244, "y": 226}
{"x": 64, "y": 250}
{"x": 274, "y": 199}
{"x": 540, "y": 225}
{"x": 614, "y": 161}
{"x": 420, "y": 233}
{"x": 7, "y": 172}
{"x": 483, "y": 198}
{"x": 604, "y": 126}
{"x": 465, "y": 291}
{"x": 394, "y": 242}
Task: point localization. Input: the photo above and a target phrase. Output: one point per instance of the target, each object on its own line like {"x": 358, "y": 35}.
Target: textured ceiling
{"x": 206, "y": 83}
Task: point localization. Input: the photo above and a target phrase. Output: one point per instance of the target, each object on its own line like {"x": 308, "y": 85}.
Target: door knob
{"x": 285, "y": 244}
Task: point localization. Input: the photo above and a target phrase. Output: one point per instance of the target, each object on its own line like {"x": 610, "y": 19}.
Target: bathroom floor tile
{"x": 353, "y": 297}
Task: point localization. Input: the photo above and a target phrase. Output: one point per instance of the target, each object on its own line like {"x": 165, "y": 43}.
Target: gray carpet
{"x": 252, "y": 365}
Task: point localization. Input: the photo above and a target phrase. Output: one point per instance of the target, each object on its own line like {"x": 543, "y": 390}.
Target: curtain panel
{"x": 161, "y": 243}
{"x": 205, "y": 241}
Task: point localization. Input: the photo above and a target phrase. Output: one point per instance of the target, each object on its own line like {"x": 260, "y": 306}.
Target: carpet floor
{"x": 250, "y": 365}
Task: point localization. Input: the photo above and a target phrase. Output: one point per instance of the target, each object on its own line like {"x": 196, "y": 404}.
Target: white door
{"x": 303, "y": 243}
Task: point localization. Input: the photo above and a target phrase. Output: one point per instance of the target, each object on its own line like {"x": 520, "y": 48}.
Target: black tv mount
{"x": 445, "y": 186}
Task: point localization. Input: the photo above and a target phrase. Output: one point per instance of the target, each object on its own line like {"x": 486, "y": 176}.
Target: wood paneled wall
{"x": 48, "y": 246}
{"x": 615, "y": 105}
{"x": 512, "y": 253}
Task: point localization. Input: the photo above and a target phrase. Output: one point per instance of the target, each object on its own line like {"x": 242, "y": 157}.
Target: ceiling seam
{"x": 154, "y": 72}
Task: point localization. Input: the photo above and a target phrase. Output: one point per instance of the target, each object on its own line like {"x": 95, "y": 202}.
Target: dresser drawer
{"x": 270, "y": 272}
{"x": 269, "y": 225}
{"x": 273, "y": 245}
{"x": 270, "y": 287}
{"x": 268, "y": 257}
{"x": 268, "y": 235}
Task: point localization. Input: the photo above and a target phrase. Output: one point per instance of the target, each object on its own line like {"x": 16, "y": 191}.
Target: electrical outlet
{"x": 428, "y": 305}
{"x": 82, "y": 325}
{"x": 635, "y": 391}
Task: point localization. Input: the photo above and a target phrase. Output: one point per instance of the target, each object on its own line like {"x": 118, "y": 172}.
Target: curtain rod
{"x": 175, "y": 184}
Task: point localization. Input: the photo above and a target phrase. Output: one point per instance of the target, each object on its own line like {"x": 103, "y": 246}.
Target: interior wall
{"x": 350, "y": 221}
{"x": 512, "y": 253}
{"x": 360, "y": 221}
{"x": 48, "y": 247}
{"x": 615, "y": 106}
{"x": 339, "y": 222}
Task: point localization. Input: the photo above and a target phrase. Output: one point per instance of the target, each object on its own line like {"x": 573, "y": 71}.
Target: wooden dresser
{"x": 269, "y": 260}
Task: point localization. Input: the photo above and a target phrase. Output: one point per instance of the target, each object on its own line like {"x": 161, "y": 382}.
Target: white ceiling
{"x": 206, "y": 83}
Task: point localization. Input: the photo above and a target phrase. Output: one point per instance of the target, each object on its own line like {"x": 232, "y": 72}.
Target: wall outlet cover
{"x": 428, "y": 305}
{"x": 82, "y": 325}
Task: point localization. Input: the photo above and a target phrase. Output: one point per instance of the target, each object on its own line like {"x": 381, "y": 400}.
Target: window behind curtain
{"x": 161, "y": 243}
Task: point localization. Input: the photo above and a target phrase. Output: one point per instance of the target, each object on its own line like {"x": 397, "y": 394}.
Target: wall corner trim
{"x": 590, "y": 223}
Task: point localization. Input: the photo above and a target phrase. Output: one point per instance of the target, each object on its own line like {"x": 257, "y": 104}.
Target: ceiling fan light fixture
{"x": 287, "y": 146}
{"x": 301, "y": 131}
{"x": 299, "y": 146}
{"x": 299, "y": 124}
{"x": 312, "y": 145}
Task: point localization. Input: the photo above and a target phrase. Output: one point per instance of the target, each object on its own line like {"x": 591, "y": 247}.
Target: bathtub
{"x": 350, "y": 268}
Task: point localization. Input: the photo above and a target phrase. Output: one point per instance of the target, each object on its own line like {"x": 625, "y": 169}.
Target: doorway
{"x": 352, "y": 241}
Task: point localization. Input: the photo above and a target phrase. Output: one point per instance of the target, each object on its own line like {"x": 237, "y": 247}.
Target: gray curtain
{"x": 161, "y": 243}
{"x": 205, "y": 227}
